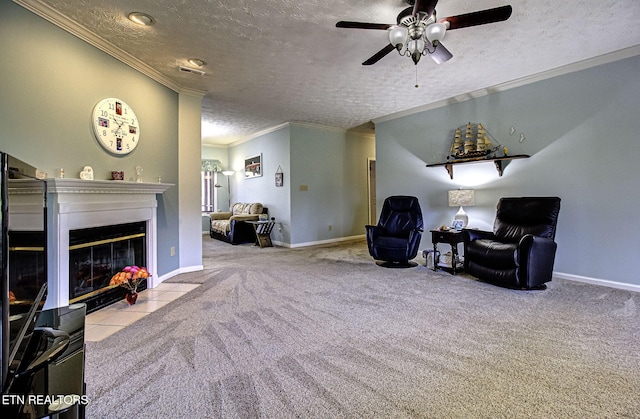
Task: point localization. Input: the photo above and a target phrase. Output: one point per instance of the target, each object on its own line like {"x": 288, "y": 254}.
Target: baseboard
{"x": 597, "y": 281}
{"x": 160, "y": 279}
{"x": 315, "y": 243}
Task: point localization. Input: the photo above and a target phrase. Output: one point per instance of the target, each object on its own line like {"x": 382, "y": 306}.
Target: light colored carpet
{"x": 324, "y": 332}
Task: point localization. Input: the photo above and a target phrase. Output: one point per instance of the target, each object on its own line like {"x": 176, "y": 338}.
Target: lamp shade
{"x": 435, "y": 32}
{"x": 398, "y": 36}
{"x": 416, "y": 46}
{"x": 462, "y": 198}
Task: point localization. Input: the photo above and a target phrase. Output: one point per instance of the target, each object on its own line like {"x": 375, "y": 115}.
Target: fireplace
{"x": 96, "y": 254}
{"x": 94, "y": 229}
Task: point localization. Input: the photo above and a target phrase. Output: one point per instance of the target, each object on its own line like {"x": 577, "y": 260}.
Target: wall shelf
{"x": 499, "y": 162}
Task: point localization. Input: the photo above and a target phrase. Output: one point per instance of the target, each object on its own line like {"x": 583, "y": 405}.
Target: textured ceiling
{"x": 277, "y": 61}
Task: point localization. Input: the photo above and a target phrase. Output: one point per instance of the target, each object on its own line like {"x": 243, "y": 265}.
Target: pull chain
{"x": 417, "y": 77}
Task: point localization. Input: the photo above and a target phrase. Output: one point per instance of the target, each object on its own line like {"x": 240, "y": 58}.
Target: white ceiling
{"x": 277, "y": 61}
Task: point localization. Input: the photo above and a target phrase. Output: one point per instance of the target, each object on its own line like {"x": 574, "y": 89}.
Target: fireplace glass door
{"x": 96, "y": 254}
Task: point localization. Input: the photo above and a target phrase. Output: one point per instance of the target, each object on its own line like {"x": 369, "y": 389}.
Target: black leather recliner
{"x": 521, "y": 250}
{"x": 395, "y": 240}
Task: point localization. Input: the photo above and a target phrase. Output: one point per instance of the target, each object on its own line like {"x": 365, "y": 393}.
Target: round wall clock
{"x": 115, "y": 126}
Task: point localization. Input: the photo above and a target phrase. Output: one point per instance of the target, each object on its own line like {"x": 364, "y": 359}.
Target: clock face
{"x": 115, "y": 125}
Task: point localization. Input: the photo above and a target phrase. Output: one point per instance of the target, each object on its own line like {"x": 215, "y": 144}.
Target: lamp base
{"x": 462, "y": 216}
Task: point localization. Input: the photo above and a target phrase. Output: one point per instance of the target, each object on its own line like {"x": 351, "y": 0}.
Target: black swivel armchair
{"x": 521, "y": 250}
{"x": 395, "y": 240}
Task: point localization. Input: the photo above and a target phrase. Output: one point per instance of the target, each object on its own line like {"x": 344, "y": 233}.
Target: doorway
{"x": 371, "y": 190}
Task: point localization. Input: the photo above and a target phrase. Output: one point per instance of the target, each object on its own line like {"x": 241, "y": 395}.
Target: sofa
{"x": 230, "y": 226}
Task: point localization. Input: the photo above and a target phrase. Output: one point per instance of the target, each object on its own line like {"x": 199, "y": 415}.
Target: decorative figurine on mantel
{"x": 87, "y": 173}
{"x": 139, "y": 174}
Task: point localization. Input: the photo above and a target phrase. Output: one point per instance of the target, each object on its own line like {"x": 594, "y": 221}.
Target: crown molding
{"x": 191, "y": 92}
{"x": 67, "y": 24}
{"x": 299, "y": 124}
{"x": 259, "y": 134}
{"x": 566, "y": 69}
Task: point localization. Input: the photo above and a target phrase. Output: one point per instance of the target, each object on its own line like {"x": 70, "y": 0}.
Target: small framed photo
{"x": 279, "y": 180}
{"x": 253, "y": 166}
{"x": 457, "y": 224}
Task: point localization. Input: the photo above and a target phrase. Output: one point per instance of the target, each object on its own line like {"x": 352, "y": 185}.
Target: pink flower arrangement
{"x": 130, "y": 277}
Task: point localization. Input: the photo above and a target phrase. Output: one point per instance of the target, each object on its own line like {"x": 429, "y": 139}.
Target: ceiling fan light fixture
{"x": 141, "y": 18}
{"x": 398, "y": 36}
{"x": 419, "y": 32}
{"x": 416, "y": 46}
{"x": 435, "y": 32}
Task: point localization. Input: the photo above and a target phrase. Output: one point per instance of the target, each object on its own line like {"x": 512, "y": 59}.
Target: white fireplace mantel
{"x": 75, "y": 204}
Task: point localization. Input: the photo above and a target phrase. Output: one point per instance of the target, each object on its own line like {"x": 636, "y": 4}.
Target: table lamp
{"x": 460, "y": 198}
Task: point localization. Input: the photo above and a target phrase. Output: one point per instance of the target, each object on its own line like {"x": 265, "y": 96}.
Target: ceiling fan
{"x": 418, "y": 31}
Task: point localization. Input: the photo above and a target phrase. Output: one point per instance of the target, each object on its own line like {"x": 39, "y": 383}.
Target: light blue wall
{"x": 275, "y": 150}
{"x": 581, "y": 130}
{"x": 50, "y": 82}
{"x": 331, "y": 163}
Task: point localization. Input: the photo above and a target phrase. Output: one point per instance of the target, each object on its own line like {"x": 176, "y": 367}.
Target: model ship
{"x": 476, "y": 143}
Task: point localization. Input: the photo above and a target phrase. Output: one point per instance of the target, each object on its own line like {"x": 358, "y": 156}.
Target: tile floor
{"x": 105, "y": 322}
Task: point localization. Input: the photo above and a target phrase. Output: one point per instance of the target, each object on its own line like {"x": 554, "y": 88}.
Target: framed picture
{"x": 279, "y": 177}
{"x": 253, "y": 166}
{"x": 457, "y": 224}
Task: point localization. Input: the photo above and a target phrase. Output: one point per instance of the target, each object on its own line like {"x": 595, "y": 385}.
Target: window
{"x": 209, "y": 191}
{"x": 209, "y": 180}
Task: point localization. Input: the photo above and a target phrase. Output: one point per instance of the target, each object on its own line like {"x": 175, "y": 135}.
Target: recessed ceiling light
{"x": 141, "y": 18}
{"x": 197, "y": 62}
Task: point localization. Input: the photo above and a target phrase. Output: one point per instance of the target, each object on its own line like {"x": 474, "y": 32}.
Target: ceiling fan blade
{"x": 441, "y": 54}
{"x": 380, "y": 54}
{"x": 362, "y": 25}
{"x": 426, "y": 6}
{"x": 482, "y": 17}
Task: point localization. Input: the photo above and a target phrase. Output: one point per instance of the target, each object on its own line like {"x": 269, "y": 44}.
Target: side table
{"x": 263, "y": 232}
{"x": 452, "y": 238}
